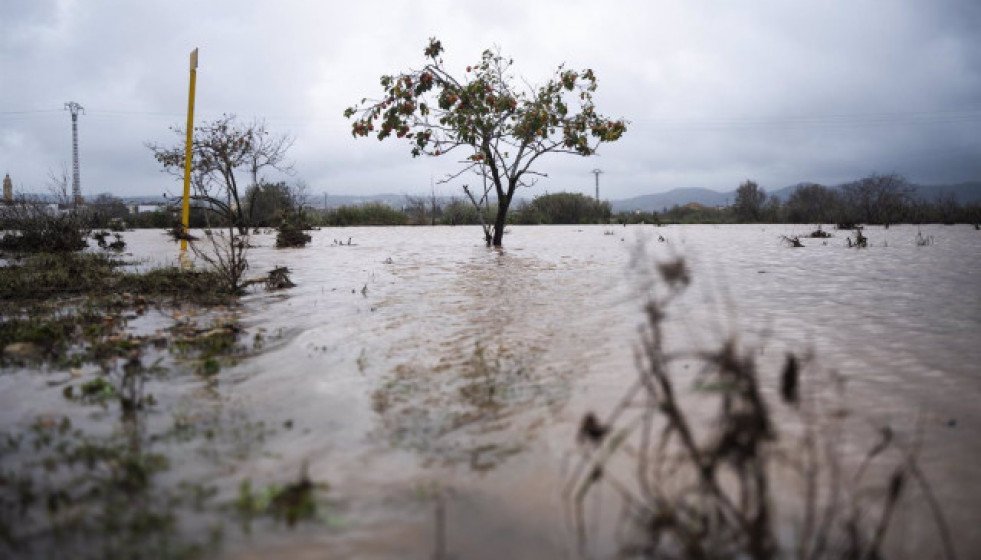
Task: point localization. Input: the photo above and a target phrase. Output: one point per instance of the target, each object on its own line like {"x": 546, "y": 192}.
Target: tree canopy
{"x": 878, "y": 199}
{"x": 498, "y": 130}
{"x": 564, "y": 208}
{"x": 749, "y": 202}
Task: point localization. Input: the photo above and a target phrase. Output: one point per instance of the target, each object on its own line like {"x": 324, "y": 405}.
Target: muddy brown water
{"x": 437, "y": 385}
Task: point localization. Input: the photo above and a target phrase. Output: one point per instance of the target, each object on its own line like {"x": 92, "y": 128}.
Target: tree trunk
{"x": 501, "y": 220}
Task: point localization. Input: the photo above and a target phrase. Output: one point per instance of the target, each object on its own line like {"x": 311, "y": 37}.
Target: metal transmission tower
{"x": 75, "y": 109}
{"x": 597, "y": 173}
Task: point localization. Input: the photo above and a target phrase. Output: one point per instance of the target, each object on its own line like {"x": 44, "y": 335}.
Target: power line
{"x": 30, "y": 112}
{"x": 115, "y": 113}
{"x": 118, "y": 113}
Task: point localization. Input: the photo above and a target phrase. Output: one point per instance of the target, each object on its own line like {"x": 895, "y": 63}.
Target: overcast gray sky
{"x": 716, "y": 92}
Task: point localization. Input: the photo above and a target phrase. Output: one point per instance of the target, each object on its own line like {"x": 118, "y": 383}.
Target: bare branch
{"x": 219, "y": 149}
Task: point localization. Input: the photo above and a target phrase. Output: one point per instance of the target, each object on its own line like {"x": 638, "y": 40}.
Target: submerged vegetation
{"x": 292, "y": 503}
{"x": 116, "y": 245}
{"x": 292, "y": 235}
{"x": 96, "y": 485}
{"x": 66, "y": 491}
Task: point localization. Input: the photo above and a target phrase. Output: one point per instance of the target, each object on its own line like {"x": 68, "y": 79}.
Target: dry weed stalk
{"x": 732, "y": 487}
{"x": 226, "y": 256}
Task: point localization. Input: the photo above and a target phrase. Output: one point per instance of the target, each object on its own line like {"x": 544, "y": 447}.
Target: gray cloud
{"x": 779, "y": 92}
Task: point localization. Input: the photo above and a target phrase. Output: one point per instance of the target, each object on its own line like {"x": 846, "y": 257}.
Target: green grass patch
{"x": 44, "y": 276}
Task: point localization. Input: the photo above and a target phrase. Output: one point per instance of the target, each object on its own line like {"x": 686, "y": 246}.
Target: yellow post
{"x": 186, "y": 213}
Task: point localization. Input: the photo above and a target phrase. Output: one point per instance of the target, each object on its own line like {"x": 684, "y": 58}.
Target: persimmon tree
{"x": 497, "y": 130}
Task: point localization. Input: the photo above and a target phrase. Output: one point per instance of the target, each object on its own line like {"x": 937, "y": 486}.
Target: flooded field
{"x": 432, "y": 388}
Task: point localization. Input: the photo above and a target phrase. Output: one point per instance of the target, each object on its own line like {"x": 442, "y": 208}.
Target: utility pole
{"x": 188, "y": 153}
{"x": 597, "y": 173}
{"x": 75, "y": 109}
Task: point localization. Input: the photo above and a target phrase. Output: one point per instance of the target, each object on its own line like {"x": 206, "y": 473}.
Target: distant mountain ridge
{"x": 675, "y": 197}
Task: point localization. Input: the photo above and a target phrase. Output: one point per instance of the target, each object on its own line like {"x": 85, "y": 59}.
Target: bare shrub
{"x": 792, "y": 241}
{"x": 224, "y": 252}
{"x": 222, "y": 149}
{"x": 759, "y": 480}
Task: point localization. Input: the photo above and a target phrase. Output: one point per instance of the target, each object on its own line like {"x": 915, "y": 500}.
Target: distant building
{"x": 8, "y": 189}
{"x": 143, "y": 208}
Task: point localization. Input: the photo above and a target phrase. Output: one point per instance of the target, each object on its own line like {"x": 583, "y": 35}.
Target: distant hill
{"x": 679, "y": 197}
{"x": 963, "y": 193}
